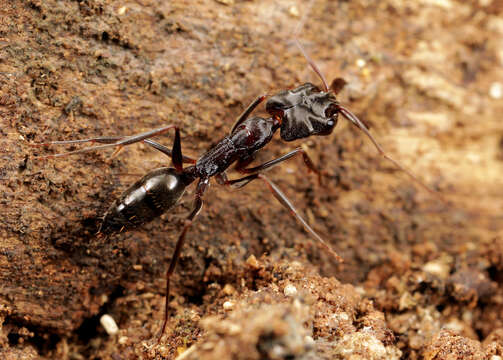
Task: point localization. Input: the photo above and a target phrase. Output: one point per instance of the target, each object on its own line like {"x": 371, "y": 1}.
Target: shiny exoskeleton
{"x": 160, "y": 189}
{"x": 298, "y": 113}
{"x": 304, "y": 111}
{"x": 145, "y": 200}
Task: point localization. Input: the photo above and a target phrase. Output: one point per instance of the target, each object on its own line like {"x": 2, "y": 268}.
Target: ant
{"x": 298, "y": 113}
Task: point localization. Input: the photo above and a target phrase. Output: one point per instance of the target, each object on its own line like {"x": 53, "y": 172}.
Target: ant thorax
{"x": 248, "y": 137}
{"x": 254, "y": 133}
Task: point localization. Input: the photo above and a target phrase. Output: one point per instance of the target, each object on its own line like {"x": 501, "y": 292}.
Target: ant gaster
{"x": 298, "y": 113}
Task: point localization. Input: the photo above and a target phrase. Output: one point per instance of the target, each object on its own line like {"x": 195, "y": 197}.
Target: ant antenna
{"x": 352, "y": 117}
{"x": 296, "y": 32}
{"x": 312, "y": 63}
{"x": 358, "y": 123}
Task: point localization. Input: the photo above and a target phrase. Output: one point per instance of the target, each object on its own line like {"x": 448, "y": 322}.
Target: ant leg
{"x": 108, "y": 141}
{"x": 198, "y": 204}
{"x": 281, "y": 197}
{"x": 244, "y": 115}
{"x": 167, "y": 151}
{"x": 176, "y": 153}
{"x": 113, "y": 139}
{"x": 101, "y": 139}
{"x": 268, "y": 164}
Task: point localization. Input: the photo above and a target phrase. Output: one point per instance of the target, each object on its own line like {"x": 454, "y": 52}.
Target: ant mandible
{"x": 299, "y": 113}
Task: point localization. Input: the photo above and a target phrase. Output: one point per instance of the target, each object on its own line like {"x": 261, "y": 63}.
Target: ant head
{"x": 304, "y": 111}
{"x": 298, "y": 124}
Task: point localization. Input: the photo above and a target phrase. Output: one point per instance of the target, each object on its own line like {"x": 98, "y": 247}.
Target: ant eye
{"x": 331, "y": 111}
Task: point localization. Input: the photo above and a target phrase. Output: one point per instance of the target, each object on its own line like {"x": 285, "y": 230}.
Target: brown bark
{"x": 424, "y": 75}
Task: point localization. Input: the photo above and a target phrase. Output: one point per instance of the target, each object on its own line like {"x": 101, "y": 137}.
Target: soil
{"x": 422, "y": 276}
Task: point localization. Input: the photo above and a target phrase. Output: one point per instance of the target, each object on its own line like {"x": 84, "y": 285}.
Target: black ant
{"x": 299, "y": 113}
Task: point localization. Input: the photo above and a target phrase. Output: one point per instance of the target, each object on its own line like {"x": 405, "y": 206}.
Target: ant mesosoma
{"x": 299, "y": 113}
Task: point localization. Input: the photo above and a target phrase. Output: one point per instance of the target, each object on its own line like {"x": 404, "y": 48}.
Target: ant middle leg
{"x": 198, "y": 204}
{"x": 283, "y": 199}
{"x": 241, "y": 166}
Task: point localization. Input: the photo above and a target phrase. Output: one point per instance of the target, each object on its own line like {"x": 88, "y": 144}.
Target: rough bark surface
{"x": 421, "y": 278}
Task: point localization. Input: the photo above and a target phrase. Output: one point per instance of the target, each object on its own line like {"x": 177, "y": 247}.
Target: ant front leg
{"x": 282, "y": 198}
{"x": 241, "y": 166}
{"x": 244, "y": 115}
{"x": 198, "y": 204}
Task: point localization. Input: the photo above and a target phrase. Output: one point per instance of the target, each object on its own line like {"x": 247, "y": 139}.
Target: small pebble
{"x": 228, "y": 305}
{"x": 294, "y": 11}
{"x": 109, "y": 324}
{"x": 290, "y": 290}
{"x": 361, "y": 63}
{"x": 496, "y": 90}
{"x": 438, "y": 267}
{"x": 252, "y": 262}
{"x": 309, "y": 342}
{"x": 228, "y": 289}
{"x": 122, "y": 10}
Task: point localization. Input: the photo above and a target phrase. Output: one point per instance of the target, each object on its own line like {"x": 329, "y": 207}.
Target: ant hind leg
{"x": 271, "y": 163}
{"x": 198, "y": 204}
{"x": 283, "y": 199}
{"x": 107, "y": 141}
